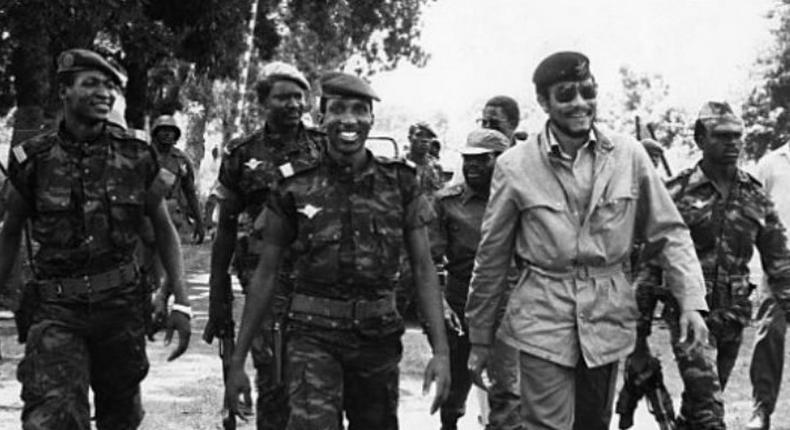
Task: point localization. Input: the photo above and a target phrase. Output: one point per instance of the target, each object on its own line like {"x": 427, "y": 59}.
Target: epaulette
{"x": 128, "y": 133}
{"x": 396, "y": 161}
{"x": 35, "y": 145}
{"x": 238, "y": 142}
{"x": 450, "y": 191}
{"x": 679, "y": 181}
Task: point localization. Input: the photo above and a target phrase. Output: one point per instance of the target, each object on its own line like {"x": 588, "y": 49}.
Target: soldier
{"x": 85, "y": 188}
{"x": 501, "y": 113}
{"x": 346, "y": 221}
{"x": 728, "y": 214}
{"x": 565, "y": 205}
{"x": 164, "y": 136}
{"x": 430, "y": 178}
{"x": 455, "y": 235}
{"x": 250, "y": 170}
{"x": 765, "y": 369}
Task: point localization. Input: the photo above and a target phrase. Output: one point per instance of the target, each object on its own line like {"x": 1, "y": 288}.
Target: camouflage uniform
{"x": 177, "y": 162}
{"x": 346, "y": 231}
{"x": 250, "y": 170}
{"x": 455, "y": 234}
{"x": 87, "y": 202}
{"x": 725, "y": 232}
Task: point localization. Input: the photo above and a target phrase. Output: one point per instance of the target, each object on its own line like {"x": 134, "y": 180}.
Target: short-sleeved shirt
{"x": 87, "y": 199}
{"x": 455, "y": 235}
{"x": 253, "y": 165}
{"x": 346, "y": 230}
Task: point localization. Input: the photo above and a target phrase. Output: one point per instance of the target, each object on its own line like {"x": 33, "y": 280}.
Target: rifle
{"x": 643, "y": 378}
{"x": 227, "y": 345}
{"x": 651, "y": 134}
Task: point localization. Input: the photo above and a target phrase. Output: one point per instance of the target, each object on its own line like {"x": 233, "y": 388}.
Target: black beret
{"x": 74, "y": 60}
{"x": 343, "y": 84}
{"x": 422, "y": 127}
{"x": 561, "y": 66}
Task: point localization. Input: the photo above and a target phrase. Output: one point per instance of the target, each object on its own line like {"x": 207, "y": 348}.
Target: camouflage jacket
{"x": 86, "y": 199}
{"x": 177, "y": 162}
{"x": 725, "y": 233}
{"x": 455, "y": 234}
{"x": 429, "y": 176}
{"x": 347, "y": 229}
{"x": 253, "y": 165}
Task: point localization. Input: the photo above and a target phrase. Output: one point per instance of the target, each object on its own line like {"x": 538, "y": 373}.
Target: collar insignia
{"x": 309, "y": 210}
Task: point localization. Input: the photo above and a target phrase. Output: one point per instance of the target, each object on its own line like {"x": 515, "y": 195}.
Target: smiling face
{"x": 347, "y": 121}
{"x": 722, "y": 143}
{"x": 571, "y": 106}
{"x": 478, "y": 170}
{"x": 90, "y": 96}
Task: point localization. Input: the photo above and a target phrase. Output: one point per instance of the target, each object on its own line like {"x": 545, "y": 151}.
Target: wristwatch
{"x": 184, "y": 309}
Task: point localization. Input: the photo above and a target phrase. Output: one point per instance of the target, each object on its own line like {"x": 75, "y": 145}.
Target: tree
{"x": 765, "y": 110}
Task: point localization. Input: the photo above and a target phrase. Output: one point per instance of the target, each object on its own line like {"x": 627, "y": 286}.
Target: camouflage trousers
{"x": 765, "y": 370}
{"x": 73, "y": 347}
{"x": 334, "y": 371}
{"x": 271, "y": 406}
{"x": 705, "y": 370}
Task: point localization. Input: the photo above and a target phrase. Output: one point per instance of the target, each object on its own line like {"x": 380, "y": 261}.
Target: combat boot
{"x": 761, "y": 420}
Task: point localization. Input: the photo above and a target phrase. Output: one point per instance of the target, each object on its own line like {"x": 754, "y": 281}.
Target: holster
{"x": 28, "y": 305}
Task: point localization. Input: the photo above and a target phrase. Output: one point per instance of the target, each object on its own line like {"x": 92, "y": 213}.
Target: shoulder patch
{"x": 451, "y": 191}
{"x": 30, "y": 147}
{"x": 397, "y": 161}
{"x": 19, "y": 154}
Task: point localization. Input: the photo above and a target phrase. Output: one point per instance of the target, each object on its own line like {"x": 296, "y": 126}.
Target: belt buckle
{"x": 59, "y": 289}
{"x": 583, "y": 272}
{"x": 354, "y": 311}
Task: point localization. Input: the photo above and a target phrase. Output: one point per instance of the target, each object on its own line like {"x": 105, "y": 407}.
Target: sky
{"x": 704, "y": 49}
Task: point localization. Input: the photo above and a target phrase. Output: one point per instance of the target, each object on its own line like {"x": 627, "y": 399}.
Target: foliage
{"x": 647, "y": 96}
{"x": 765, "y": 114}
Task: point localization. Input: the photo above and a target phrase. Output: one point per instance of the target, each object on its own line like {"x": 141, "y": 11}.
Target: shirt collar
{"x": 555, "y": 149}
{"x": 698, "y": 177}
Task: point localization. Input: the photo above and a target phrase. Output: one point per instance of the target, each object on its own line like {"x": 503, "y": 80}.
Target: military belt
{"x": 578, "y": 271}
{"x": 341, "y": 309}
{"x": 59, "y": 288}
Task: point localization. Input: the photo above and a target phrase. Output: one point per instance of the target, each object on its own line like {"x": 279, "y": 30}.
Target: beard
{"x": 578, "y": 134}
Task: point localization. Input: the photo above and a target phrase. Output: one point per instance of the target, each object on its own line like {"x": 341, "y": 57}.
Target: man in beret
{"x": 454, "y": 237}
{"x": 345, "y": 221}
{"x": 85, "y": 188}
{"x": 567, "y": 205}
{"x": 728, "y": 214}
{"x": 252, "y": 166}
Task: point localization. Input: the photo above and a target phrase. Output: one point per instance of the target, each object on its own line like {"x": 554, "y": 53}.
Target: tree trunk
{"x": 196, "y": 140}
{"x": 31, "y": 65}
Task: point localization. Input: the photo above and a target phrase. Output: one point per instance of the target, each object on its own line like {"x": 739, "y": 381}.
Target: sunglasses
{"x": 566, "y": 92}
{"x": 489, "y": 123}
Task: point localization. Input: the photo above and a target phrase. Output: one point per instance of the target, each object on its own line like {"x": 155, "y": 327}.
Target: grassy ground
{"x": 186, "y": 394}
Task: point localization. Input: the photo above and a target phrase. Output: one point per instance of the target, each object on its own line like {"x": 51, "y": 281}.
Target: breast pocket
{"x": 613, "y": 218}
{"x": 547, "y": 229}
{"x": 54, "y": 220}
{"x": 126, "y": 215}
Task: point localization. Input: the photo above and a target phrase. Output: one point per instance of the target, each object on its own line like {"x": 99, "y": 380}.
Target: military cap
{"x": 343, "y": 84}
{"x": 77, "y": 59}
{"x": 484, "y": 140}
{"x": 166, "y": 121}
{"x": 422, "y": 128}
{"x": 715, "y": 113}
{"x": 277, "y": 70}
{"x": 561, "y": 66}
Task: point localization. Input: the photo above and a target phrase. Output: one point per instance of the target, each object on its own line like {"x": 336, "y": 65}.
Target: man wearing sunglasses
{"x": 501, "y": 113}
{"x": 568, "y": 206}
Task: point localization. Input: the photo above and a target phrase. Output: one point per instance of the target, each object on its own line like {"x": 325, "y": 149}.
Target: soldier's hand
{"x": 692, "y": 321}
{"x": 218, "y": 315}
{"x": 437, "y": 370}
{"x": 237, "y": 384}
{"x": 200, "y": 232}
{"x": 478, "y": 362}
{"x": 451, "y": 319}
{"x": 159, "y": 315}
{"x": 178, "y": 321}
